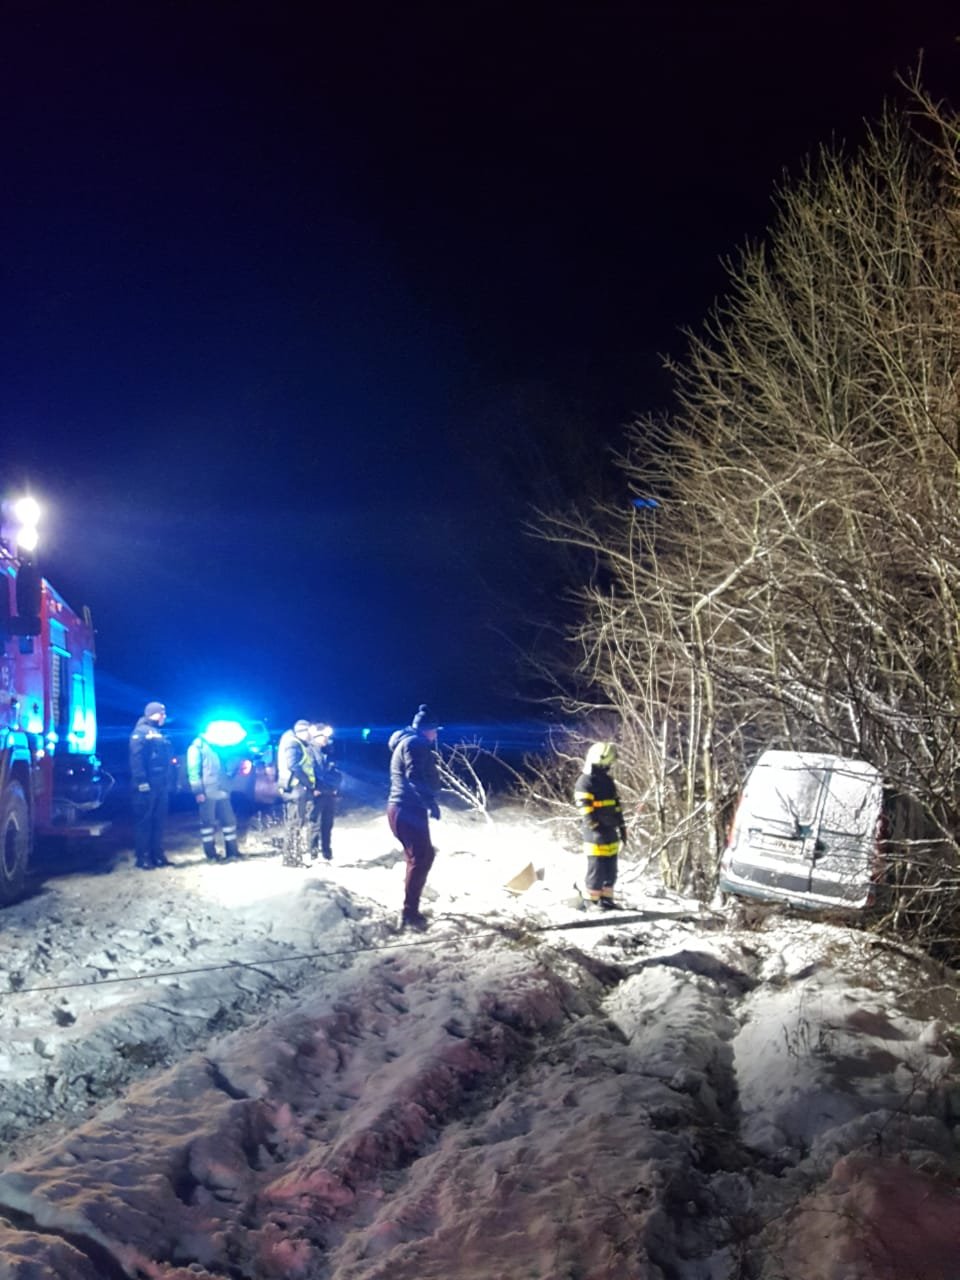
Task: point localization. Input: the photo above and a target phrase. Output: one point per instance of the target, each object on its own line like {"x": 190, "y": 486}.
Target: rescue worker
{"x": 604, "y": 828}
{"x": 327, "y": 780}
{"x": 414, "y": 783}
{"x": 296, "y": 783}
{"x": 151, "y": 757}
{"x": 210, "y": 776}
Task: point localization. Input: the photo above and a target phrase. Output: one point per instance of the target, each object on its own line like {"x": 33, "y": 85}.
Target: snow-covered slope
{"x": 247, "y": 1071}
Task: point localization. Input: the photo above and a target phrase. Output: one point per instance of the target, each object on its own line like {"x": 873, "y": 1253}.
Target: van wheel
{"x": 14, "y": 842}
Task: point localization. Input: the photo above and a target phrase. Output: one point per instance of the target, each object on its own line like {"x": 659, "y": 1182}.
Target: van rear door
{"x": 844, "y": 852}
{"x": 779, "y": 815}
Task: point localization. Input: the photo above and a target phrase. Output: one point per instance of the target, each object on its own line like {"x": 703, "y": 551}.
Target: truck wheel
{"x": 14, "y": 842}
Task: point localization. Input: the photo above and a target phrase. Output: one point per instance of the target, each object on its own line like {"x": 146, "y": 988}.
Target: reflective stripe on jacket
{"x": 598, "y": 804}
{"x": 294, "y": 763}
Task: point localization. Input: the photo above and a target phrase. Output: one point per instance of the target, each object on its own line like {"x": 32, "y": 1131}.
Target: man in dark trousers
{"x": 604, "y": 829}
{"x": 151, "y": 754}
{"x": 414, "y": 783}
{"x": 327, "y": 780}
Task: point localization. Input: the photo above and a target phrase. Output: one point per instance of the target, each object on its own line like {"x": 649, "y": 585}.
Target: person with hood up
{"x": 414, "y": 783}
{"x": 296, "y": 783}
{"x": 604, "y": 828}
{"x": 151, "y": 758}
{"x": 210, "y": 779}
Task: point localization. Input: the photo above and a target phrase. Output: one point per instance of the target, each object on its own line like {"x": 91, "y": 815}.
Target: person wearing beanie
{"x": 414, "y": 783}
{"x": 603, "y": 826}
{"x": 297, "y": 785}
{"x": 151, "y": 759}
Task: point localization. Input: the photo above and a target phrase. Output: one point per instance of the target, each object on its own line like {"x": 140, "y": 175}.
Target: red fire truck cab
{"x": 50, "y": 777}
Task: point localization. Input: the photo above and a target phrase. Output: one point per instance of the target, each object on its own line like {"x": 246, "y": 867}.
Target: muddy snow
{"x": 248, "y": 1071}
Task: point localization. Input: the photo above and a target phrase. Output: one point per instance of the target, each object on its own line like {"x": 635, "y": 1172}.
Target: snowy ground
{"x": 247, "y": 1071}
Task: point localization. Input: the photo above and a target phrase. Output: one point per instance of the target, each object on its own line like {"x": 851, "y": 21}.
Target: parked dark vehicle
{"x": 249, "y": 754}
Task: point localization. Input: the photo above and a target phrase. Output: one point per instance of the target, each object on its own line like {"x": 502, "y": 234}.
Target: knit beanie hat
{"x": 425, "y": 719}
{"x": 154, "y": 709}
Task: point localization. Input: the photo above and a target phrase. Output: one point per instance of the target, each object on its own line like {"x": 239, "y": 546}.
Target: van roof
{"x": 789, "y": 760}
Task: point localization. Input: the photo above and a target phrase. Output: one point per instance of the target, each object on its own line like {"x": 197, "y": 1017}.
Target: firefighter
{"x": 151, "y": 757}
{"x": 296, "y": 783}
{"x": 604, "y": 829}
{"x": 209, "y": 775}
{"x": 327, "y": 779}
{"x": 414, "y": 783}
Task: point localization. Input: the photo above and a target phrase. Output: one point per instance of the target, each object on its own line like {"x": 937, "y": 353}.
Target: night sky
{"x": 303, "y": 304}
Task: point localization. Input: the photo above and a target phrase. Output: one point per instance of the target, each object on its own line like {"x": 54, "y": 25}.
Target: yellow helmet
{"x": 602, "y": 754}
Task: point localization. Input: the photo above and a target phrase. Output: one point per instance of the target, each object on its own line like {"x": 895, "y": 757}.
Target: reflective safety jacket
{"x": 603, "y": 826}
{"x": 206, "y": 771}
{"x": 295, "y": 766}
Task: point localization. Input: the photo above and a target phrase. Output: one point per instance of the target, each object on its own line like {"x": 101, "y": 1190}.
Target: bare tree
{"x": 797, "y": 582}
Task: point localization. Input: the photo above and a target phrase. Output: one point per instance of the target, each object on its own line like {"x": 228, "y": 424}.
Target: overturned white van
{"x": 808, "y": 831}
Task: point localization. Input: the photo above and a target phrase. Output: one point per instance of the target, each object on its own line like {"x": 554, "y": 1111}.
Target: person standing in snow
{"x": 296, "y": 783}
{"x": 209, "y": 778}
{"x": 604, "y": 829}
{"x": 327, "y": 779}
{"x": 151, "y": 757}
{"x": 414, "y": 783}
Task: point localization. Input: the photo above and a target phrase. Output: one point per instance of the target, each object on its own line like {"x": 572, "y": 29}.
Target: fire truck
{"x": 50, "y": 776}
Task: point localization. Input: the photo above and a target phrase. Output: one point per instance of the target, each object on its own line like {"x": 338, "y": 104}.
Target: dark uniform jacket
{"x": 414, "y": 780}
{"x": 151, "y": 755}
{"x": 327, "y": 775}
{"x": 595, "y": 795}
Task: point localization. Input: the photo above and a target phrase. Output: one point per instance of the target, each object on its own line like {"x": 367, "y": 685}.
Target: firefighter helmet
{"x": 602, "y": 755}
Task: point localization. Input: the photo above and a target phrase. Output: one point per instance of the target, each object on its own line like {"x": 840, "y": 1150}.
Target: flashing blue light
{"x": 224, "y": 733}
{"x": 365, "y": 734}
{"x": 646, "y": 504}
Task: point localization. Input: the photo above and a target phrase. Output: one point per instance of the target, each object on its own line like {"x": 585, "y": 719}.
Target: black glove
{"x": 434, "y": 809}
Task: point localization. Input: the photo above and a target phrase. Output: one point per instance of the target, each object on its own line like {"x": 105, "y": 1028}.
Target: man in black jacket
{"x": 327, "y": 780}
{"x": 414, "y": 783}
{"x": 151, "y": 753}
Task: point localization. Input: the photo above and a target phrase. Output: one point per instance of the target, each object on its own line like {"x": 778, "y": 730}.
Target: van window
{"x": 850, "y": 805}
{"x": 788, "y": 800}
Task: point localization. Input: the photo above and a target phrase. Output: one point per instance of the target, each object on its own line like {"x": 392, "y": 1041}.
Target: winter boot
{"x": 230, "y": 842}
{"x": 210, "y": 850}
{"x": 414, "y": 920}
